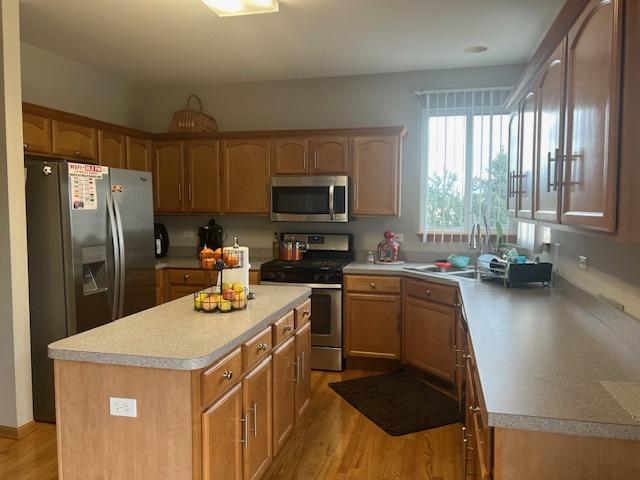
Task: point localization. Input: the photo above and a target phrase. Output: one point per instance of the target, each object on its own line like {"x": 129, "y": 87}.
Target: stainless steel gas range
{"x": 321, "y": 270}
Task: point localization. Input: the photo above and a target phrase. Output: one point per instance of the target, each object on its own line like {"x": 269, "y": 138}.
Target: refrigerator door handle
{"x": 122, "y": 257}
{"x": 116, "y": 257}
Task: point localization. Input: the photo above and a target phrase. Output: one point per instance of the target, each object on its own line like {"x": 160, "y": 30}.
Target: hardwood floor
{"x": 335, "y": 441}
{"x": 332, "y": 441}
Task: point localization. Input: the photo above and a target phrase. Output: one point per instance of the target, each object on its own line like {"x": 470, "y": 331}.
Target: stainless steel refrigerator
{"x": 91, "y": 255}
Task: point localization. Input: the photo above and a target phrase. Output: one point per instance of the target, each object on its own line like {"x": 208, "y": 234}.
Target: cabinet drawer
{"x": 303, "y": 314}
{"x": 256, "y": 349}
{"x": 371, "y": 283}
{"x": 283, "y": 328}
{"x": 221, "y": 376}
{"x": 431, "y": 291}
{"x": 187, "y": 277}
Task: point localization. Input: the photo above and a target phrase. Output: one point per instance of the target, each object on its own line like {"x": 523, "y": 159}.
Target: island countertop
{"x": 174, "y": 336}
{"x": 548, "y": 358}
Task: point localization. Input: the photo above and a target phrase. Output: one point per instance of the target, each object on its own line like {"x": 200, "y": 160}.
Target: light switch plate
{"x": 123, "y": 407}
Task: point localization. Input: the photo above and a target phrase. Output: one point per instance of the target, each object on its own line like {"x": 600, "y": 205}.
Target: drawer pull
{"x": 262, "y": 346}
{"x": 474, "y": 409}
{"x": 428, "y": 293}
{"x": 186, "y": 276}
{"x": 306, "y": 313}
{"x": 287, "y": 328}
{"x": 372, "y": 285}
{"x": 466, "y": 356}
{"x": 227, "y": 374}
{"x": 76, "y": 153}
{"x": 25, "y": 146}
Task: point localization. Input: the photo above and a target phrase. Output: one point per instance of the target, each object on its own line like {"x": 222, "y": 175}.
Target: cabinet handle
{"x": 262, "y": 346}
{"x": 304, "y": 161}
{"x": 245, "y": 430}
{"x": 287, "y": 328}
{"x": 372, "y": 285}
{"x": 255, "y": 420}
{"x": 186, "y": 276}
{"x": 189, "y": 192}
{"x": 25, "y": 146}
{"x": 76, "y": 153}
{"x": 302, "y": 375}
{"x": 466, "y": 356}
{"x": 428, "y": 293}
{"x": 315, "y": 160}
{"x": 227, "y": 374}
{"x": 473, "y": 409}
{"x": 296, "y": 378}
{"x": 355, "y": 194}
{"x": 179, "y": 192}
{"x": 306, "y": 313}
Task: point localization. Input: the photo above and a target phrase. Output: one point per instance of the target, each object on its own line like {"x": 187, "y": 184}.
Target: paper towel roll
{"x": 240, "y": 275}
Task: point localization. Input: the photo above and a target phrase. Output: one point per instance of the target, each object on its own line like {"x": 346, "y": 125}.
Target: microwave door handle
{"x": 332, "y": 209}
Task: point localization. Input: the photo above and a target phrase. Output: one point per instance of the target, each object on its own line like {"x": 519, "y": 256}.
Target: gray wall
{"x": 357, "y": 101}
{"x": 56, "y": 82}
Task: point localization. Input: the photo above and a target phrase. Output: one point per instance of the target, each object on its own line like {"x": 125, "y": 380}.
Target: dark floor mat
{"x": 398, "y": 402}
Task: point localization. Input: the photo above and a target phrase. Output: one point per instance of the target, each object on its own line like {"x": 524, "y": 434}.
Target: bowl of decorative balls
{"x": 228, "y": 297}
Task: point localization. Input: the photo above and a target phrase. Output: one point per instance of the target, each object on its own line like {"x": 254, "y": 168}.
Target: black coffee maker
{"x": 212, "y": 235}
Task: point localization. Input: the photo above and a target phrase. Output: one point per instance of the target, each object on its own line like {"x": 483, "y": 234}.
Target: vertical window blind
{"x": 463, "y": 154}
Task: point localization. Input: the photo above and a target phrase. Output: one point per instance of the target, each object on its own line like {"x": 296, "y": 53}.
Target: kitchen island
{"x": 174, "y": 393}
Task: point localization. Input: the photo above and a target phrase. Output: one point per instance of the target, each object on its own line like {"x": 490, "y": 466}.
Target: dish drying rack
{"x": 492, "y": 267}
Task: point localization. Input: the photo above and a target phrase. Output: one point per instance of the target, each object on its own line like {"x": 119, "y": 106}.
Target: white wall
{"x": 56, "y": 82}
{"x": 15, "y": 354}
{"x": 357, "y": 101}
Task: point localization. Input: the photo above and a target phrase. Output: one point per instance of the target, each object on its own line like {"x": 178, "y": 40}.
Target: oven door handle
{"x": 332, "y": 190}
{"x": 318, "y": 286}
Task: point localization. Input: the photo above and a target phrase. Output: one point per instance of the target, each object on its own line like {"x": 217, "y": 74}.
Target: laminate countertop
{"x": 174, "y": 336}
{"x": 548, "y": 358}
{"x": 192, "y": 262}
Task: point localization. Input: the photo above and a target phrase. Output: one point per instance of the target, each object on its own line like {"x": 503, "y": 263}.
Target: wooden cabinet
{"x": 180, "y": 282}
{"x": 168, "y": 178}
{"x": 203, "y": 176}
{"x": 513, "y": 162}
{"x": 550, "y": 135}
{"x": 74, "y": 141}
{"x": 330, "y": 155}
{"x": 36, "y": 134}
{"x": 246, "y": 170}
{"x": 284, "y": 383}
{"x": 222, "y": 438}
{"x": 376, "y": 175}
{"x": 593, "y": 96}
{"x": 139, "y": 154}
{"x": 159, "y": 287}
{"x": 373, "y": 325}
{"x": 428, "y": 337}
{"x": 111, "y": 149}
{"x": 303, "y": 368}
{"x": 290, "y": 156}
{"x": 254, "y": 277}
{"x": 527, "y": 155}
{"x": 257, "y": 403}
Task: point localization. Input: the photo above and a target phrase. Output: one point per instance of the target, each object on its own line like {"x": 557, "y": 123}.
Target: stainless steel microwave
{"x": 310, "y": 199}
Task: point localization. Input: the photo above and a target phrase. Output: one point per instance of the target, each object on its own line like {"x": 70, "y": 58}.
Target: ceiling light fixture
{"x": 231, "y": 8}
{"x": 477, "y": 49}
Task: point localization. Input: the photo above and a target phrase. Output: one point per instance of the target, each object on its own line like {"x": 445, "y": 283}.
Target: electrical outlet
{"x": 583, "y": 263}
{"x": 187, "y": 234}
{"x": 123, "y": 407}
{"x": 399, "y": 237}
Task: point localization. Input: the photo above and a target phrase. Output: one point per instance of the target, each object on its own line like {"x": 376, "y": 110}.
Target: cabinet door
{"x": 527, "y": 155}
{"x": 372, "y": 325}
{"x": 330, "y": 155}
{"x": 246, "y": 175}
{"x": 139, "y": 154}
{"x": 376, "y": 175}
{"x": 203, "y": 176}
{"x": 257, "y": 398}
{"x": 593, "y": 90}
{"x": 290, "y": 156}
{"x": 111, "y": 149}
{"x": 77, "y": 141}
{"x": 303, "y": 368}
{"x": 222, "y": 437}
{"x": 284, "y": 378}
{"x": 514, "y": 162}
{"x": 429, "y": 337}
{"x": 36, "y": 133}
{"x": 550, "y": 135}
{"x": 168, "y": 178}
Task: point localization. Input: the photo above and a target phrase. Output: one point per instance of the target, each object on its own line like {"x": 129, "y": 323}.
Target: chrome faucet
{"x": 475, "y": 243}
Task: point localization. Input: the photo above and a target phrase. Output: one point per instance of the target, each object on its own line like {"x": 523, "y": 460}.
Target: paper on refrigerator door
{"x": 82, "y": 183}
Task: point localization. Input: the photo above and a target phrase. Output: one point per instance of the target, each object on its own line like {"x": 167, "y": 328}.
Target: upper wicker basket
{"x": 189, "y": 120}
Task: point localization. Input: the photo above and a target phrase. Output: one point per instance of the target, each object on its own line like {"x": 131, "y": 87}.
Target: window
{"x": 464, "y": 139}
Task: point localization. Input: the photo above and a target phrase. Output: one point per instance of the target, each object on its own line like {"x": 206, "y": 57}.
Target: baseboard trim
{"x": 16, "y": 433}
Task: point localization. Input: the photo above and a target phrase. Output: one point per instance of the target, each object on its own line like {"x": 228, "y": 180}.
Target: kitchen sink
{"x": 454, "y": 272}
